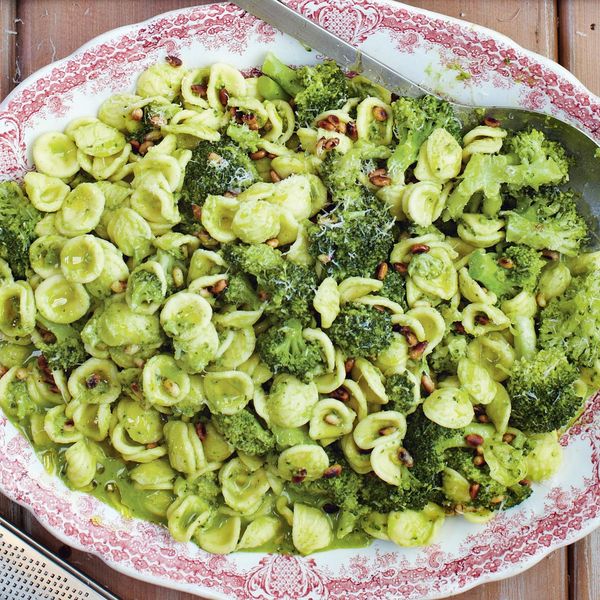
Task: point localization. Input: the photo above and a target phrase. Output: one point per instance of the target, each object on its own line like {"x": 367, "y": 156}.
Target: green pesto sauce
{"x": 112, "y": 486}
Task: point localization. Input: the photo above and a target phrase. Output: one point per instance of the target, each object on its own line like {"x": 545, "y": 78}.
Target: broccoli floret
{"x": 540, "y": 161}
{"x": 571, "y": 322}
{"x": 284, "y": 349}
{"x": 353, "y": 238}
{"x": 155, "y": 116}
{"x": 288, "y": 287}
{"x": 427, "y": 443}
{"x": 400, "y": 390}
{"x": 343, "y": 171}
{"x": 547, "y": 219}
{"x": 445, "y": 356}
{"x": 516, "y": 268}
{"x": 18, "y": 219}
{"x": 325, "y": 87}
{"x": 361, "y": 330}
{"x": 216, "y": 168}
{"x": 394, "y": 288}
{"x": 491, "y": 495}
{"x": 542, "y": 392}
{"x": 411, "y": 494}
{"x": 342, "y": 490}
{"x": 414, "y": 120}
{"x": 243, "y": 136}
{"x": 16, "y": 401}
{"x": 146, "y": 288}
{"x": 530, "y": 160}
{"x": 244, "y": 432}
{"x": 239, "y": 292}
{"x": 61, "y": 345}
{"x": 315, "y": 88}
{"x": 206, "y": 486}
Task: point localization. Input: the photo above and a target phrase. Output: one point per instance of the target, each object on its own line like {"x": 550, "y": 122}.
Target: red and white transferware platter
{"x": 435, "y": 51}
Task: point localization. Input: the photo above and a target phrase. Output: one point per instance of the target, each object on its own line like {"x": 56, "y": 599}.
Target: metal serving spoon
{"x": 585, "y": 171}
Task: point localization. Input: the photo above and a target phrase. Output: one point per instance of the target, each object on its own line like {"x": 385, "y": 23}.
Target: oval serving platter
{"x": 466, "y": 63}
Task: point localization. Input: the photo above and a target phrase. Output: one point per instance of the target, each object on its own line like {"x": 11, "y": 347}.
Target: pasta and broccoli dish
{"x": 293, "y": 311}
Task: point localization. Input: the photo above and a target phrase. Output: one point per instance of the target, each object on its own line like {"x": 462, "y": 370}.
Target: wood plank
{"x": 584, "y": 558}
{"x": 579, "y": 46}
{"x": 531, "y": 24}
{"x": 579, "y": 40}
{"x": 55, "y": 28}
{"x": 8, "y": 45}
{"x": 548, "y": 579}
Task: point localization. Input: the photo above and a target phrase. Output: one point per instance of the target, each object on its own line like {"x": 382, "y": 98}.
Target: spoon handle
{"x": 285, "y": 19}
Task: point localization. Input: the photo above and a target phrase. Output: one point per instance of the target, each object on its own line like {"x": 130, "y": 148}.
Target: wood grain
{"x": 530, "y": 23}
{"x": 8, "y": 44}
{"x": 52, "y": 29}
{"x": 579, "y": 40}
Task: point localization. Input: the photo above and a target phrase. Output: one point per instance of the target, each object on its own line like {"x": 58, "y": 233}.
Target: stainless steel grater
{"x": 30, "y": 572}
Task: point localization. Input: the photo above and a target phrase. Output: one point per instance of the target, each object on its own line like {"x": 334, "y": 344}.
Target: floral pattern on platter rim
{"x": 464, "y": 62}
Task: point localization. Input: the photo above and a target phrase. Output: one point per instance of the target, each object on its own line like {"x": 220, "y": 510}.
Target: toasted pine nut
{"x": 172, "y": 387}
{"x": 258, "y": 154}
{"x": 137, "y": 114}
{"x": 223, "y": 96}
{"x": 178, "y": 279}
{"x": 380, "y": 113}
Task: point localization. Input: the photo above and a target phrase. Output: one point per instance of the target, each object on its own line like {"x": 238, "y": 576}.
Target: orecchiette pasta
{"x": 264, "y": 320}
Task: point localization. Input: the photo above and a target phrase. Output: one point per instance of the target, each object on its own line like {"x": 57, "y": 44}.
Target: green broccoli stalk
{"x": 283, "y": 348}
{"x": 146, "y": 288}
{"x": 244, "y": 432}
{"x": 516, "y": 268}
{"x": 61, "y": 345}
{"x": 530, "y": 160}
{"x": 400, "y": 390}
{"x": 543, "y": 393}
{"x": 547, "y": 219}
{"x": 361, "y": 330}
{"x": 315, "y": 88}
{"x": 571, "y": 322}
{"x": 353, "y": 238}
{"x": 18, "y": 219}
{"x": 414, "y": 120}
{"x": 288, "y": 287}
{"x": 216, "y": 168}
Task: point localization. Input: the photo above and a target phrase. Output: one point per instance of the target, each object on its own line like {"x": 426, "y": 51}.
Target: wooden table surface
{"x": 36, "y": 32}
